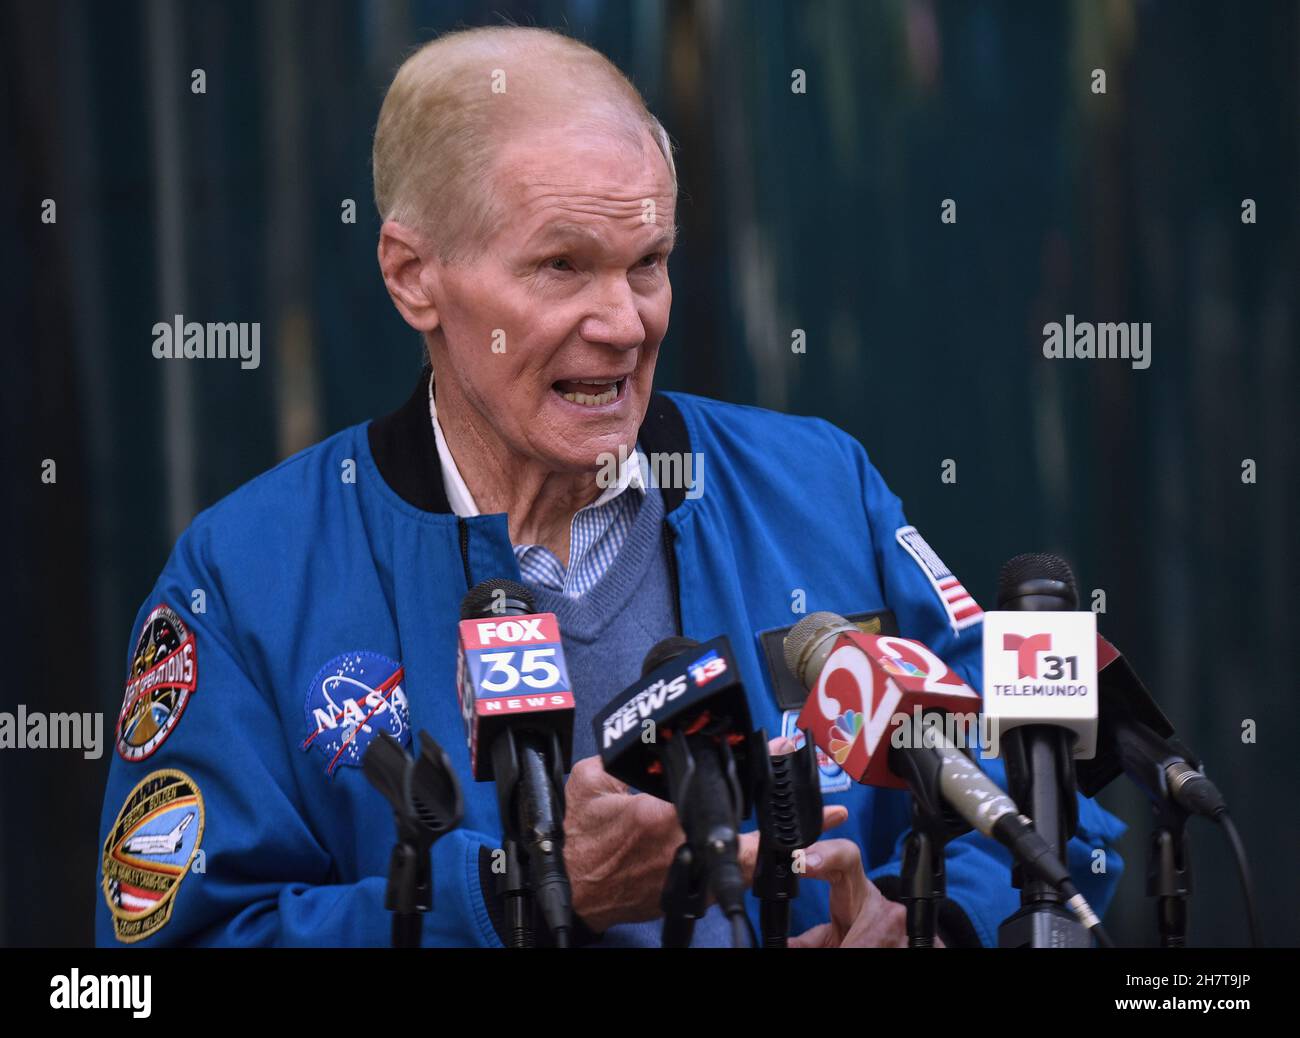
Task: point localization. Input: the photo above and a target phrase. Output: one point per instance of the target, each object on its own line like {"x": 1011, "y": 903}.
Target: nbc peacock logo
{"x": 844, "y": 732}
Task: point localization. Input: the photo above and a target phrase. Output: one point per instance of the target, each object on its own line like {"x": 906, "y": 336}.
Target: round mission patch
{"x": 149, "y": 850}
{"x": 164, "y": 673}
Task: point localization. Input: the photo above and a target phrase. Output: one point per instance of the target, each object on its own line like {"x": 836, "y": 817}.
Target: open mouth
{"x": 590, "y": 392}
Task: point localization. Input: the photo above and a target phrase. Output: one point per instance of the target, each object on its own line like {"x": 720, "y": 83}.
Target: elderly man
{"x": 528, "y": 203}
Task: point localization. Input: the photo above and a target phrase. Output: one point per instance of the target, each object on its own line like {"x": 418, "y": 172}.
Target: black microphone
{"x": 1040, "y": 760}
{"x": 1135, "y": 737}
{"x": 680, "y": 733}
{"x": 517, "y": 702}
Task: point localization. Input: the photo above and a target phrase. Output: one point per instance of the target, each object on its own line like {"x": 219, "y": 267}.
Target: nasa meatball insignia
{"x": 353, "y": 698}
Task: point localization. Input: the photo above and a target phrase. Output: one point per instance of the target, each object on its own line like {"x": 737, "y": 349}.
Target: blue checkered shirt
{"x": 595, "y": 535}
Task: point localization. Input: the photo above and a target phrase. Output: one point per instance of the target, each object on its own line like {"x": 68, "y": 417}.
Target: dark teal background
{"x": 817, "y": 211}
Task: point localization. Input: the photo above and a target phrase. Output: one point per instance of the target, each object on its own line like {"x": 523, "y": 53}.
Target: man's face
{"x": 552, "y": 331}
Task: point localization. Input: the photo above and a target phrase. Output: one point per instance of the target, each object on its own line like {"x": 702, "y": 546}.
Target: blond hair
{"x": 456, "y": 98}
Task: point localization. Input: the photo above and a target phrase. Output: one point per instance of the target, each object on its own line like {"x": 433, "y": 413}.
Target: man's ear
{"x": 410, "y": 272}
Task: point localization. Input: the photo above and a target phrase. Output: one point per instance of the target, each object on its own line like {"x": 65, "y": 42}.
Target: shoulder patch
{"x": 957, "y": 602}
{"x": 148, "y": 852}
{"x": 164, "y": 674}
{"x": 352, "y": 698}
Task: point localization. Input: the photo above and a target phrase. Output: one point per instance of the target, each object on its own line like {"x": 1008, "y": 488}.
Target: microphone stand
{"x": 530, "y": 801}
{"x": 1040, "y": 772}
{"x": 685, "y": 898}
{"x": 701, "y": 773}
{"x": 1169, "y": 873}
{"x": 427, "y": 804}
{"x": 788, "y": 803}
{"x": 923, "y": 882}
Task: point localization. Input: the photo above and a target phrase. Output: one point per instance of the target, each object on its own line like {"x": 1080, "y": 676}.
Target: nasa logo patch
{"x": 164, "y": 674}
{"x": 149, "y": 850}
{"x": 352, "y": 699}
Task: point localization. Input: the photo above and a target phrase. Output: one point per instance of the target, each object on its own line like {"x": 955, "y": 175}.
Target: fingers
{"x": 748, "y": 855}
{"x": 819, "y": 936}
{"x": 839, "y": 863}
{"x": 831, "y": 860}
{"x": 833, "y": 815}
{"x": 748, "y": 846}
{"x": 882, "y": 924}
{"x": 653, "y": 818}
{"x": 589, "y": 778}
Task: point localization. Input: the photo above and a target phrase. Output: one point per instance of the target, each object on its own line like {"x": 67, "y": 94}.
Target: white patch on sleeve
{"x": 957, "y": 602}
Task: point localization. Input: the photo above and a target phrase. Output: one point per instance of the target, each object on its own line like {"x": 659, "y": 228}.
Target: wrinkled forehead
{"x": 583, "y": 167}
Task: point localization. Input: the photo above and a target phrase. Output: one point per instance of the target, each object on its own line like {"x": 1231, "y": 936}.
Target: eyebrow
{"x": 663, "y": 242}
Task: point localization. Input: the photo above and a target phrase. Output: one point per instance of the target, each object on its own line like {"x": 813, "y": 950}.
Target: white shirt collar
{"x": 631, "y": 473}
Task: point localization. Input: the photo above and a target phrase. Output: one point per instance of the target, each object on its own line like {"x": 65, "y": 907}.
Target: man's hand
{"x": 861, "y": 916}
{"x": 618, "y": 845}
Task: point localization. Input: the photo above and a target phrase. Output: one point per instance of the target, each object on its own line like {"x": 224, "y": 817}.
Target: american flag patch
{"x": 957, "y": 602}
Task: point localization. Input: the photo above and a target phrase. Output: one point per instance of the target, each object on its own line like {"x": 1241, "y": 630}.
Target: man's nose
{"x": 615, "y": 320}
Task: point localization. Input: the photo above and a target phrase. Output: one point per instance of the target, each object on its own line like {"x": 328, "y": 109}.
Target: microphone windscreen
{"x": 497, "y": 597}
{"x": 810, "y": 628}
{"x": 665, "y": 651}
{"x": 1037, "y": 574}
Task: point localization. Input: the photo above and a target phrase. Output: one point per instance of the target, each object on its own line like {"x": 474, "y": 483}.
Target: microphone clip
{"x": 427, "y": 804}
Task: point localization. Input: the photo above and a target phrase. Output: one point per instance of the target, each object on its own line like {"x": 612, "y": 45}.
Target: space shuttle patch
{"x": 150, "y": 848}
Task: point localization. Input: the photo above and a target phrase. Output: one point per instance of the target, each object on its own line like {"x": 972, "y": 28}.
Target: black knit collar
{"x": 406, "y": 452}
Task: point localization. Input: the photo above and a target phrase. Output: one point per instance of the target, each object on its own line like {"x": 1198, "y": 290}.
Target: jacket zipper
{"x": 463, "y": 529}
{"x": 674, "y": 585}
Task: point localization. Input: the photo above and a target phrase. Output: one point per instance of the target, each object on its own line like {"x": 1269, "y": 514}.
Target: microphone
{"x": 1040, "y": 694}
{"x": 680, "y": 734}
{"x": 1135, "y": 737}
{"x": 860, "y": 683}
{"x": 517, "y": 701}
{"x": 867, "y": 708}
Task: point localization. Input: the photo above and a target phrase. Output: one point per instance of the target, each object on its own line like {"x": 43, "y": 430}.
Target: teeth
{"x": 597, "y": 399}
{"x": 592, "y": 401}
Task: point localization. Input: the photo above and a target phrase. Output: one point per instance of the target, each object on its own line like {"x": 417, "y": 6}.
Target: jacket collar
{"x": 406, "y": 452}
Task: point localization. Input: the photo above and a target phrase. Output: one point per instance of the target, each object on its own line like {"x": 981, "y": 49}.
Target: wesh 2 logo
{"x": 1028, "y": 648}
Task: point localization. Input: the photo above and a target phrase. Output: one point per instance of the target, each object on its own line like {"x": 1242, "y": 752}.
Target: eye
{"x": 558, "y": 263}
{"x": 651, "y": 260}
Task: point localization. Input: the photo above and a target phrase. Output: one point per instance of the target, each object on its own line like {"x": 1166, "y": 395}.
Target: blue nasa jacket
{"x": 324, "y": 595}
